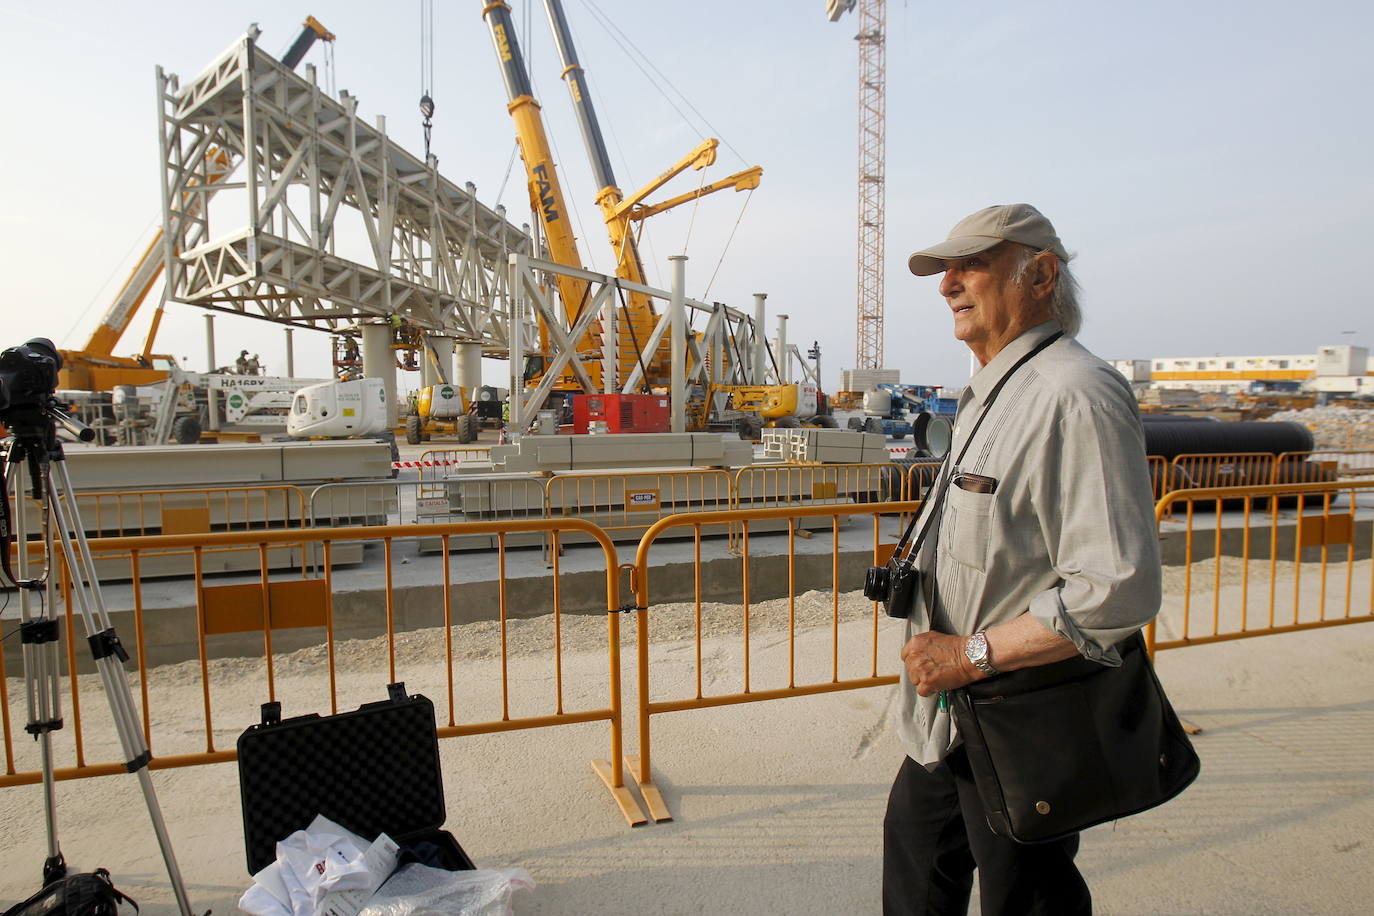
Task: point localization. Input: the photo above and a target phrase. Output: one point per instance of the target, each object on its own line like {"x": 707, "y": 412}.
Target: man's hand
{"x": 936, "y": 661}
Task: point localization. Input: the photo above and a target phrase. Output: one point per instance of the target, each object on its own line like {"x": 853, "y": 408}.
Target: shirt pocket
{"x": 971, "y": 527}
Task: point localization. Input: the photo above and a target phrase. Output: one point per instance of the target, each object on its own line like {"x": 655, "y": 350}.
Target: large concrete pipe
{"x": 678, "y": 322}
{"x": 467, "y": 365}
{"x": 379, "y": 361}
{"x": 759, "y": 369}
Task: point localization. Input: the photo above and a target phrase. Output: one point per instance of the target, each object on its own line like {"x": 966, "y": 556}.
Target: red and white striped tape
{"x": 426, "y": 464}
{"x": 898, "y": 451}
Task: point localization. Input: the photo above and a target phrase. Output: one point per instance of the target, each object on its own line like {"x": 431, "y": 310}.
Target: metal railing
{"x": 1340, "y": 462}
{"x": 1275, "y": 558}
{"x": 1231, "y": 469}
{"x": 308, "y": 614}
{"x": 762, "y": 486}
{"x": 634, "y": 500}
{"x": 861, "y": 665}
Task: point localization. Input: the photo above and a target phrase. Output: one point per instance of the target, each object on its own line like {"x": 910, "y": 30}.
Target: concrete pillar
{"x": 213, "y": 398}
{"x": 467, "y": 365}
{"x": 515, "y": 335}
{"x": 759, "y": 370}
{"x": 379, "y": 361}
{"x": 784, "y": 362}
{"x": 678, "y": 322}
{"x": 290, "y": 354}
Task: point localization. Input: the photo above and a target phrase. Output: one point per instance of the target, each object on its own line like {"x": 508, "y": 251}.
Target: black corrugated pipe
{"x": 1171, "y": 439}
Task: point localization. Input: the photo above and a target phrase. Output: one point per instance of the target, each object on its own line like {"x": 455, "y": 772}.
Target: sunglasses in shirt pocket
{"x": 971, "y": 520}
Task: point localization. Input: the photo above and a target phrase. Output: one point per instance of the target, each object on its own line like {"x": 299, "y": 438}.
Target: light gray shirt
{"x": 1067, "y": 534}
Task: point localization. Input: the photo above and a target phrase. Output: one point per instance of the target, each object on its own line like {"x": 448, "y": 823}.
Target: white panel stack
{"x": 631, "y": 450}
{"x": 826, "y": 446}
{"x": 865, "y": 379}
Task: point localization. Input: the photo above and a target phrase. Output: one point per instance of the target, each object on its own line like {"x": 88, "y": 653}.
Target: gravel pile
{"x": 1333, "y": 426}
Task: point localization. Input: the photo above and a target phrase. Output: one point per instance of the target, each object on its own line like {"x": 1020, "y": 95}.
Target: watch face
{"x": 977, "y": 647}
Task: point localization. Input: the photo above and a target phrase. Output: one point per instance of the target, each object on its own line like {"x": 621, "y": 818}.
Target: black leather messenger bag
{"x": 1058, "y": 748}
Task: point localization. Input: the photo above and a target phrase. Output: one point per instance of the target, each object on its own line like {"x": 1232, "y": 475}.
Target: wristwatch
{"x": 977, "y": 651}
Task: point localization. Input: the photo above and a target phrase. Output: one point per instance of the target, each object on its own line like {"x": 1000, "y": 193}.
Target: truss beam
{"x": 325, "y": 221}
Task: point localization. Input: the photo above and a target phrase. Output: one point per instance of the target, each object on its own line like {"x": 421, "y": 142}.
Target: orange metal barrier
{"x": 1340, "y": 462}
{"x": 1159, "y": 475}
{"x": 863, "y": 667}
{"x": 1235, "y": 469}
{"x": 131, "y": 513}
{"x": 199, "y": 510}
{"x": 780, "y": 485}
{"x": 919, "y": 478}
{"x": 1271, "y": 559}
{"x": 634, "y": 500}
{"x": 305, "y": 613}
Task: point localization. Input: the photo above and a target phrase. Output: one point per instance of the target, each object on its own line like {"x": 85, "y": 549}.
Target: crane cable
{"x": 329, "y": 71}
{"x": 426, "y": 70}
{"x": 617, "y": 35}
{"x": 726, "y": 250}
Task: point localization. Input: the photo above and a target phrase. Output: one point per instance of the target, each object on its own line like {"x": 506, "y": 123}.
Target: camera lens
{"x": 877, "y": 583}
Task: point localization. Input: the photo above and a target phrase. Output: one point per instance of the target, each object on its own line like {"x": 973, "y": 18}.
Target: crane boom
{"x": 546, "y": 191}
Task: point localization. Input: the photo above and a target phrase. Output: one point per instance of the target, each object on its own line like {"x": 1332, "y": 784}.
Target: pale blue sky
{"x": 1209, "y": 162}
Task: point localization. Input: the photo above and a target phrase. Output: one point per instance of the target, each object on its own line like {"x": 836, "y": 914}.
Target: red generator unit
{"x": 622, "y": 413}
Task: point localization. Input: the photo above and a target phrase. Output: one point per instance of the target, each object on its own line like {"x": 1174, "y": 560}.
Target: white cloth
{"x": 324, "y": 870}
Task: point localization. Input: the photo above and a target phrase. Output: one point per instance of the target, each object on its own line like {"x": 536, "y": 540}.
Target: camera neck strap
{"x": 943, "y": 477}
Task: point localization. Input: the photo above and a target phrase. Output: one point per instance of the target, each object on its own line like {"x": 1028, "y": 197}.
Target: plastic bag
{"x": 418, "y": 890}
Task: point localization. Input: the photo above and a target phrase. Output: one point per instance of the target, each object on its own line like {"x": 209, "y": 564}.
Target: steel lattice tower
{"x": 872, "y": 158}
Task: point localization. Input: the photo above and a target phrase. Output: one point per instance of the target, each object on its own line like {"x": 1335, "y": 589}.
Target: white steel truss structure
{"x": 719, "y": 345}
{"x": 312, "y": 179}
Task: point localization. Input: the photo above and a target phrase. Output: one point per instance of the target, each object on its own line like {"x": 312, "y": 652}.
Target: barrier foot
{"x": 1189, "y": 727}
{"x": 653, "y": 799}
{"x": 634, "y": 815}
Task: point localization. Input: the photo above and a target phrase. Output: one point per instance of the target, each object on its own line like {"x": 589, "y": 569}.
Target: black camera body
{"x": 28, "y": 374}
{"x": 896, "y": 585}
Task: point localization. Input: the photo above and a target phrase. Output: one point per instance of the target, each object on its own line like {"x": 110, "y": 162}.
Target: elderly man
{"x": 1045, "y": 547}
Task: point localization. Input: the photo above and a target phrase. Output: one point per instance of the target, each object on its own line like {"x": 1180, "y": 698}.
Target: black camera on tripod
{"x": 895, "y": 585}
{"x": 28, "y": 375}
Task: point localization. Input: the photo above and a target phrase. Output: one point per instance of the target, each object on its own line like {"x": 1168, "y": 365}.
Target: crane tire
{"x": 413, "y": 430}
{"x": 466, "y": 428}
{"x": 186, "y": 430}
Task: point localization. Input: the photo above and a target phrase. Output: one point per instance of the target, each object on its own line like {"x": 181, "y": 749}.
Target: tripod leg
{"x": 38, "y": 635}
{"x": 109, "y": 655}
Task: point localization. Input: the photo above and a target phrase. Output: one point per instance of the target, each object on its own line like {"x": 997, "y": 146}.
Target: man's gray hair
{"x": 1064, "y": 299}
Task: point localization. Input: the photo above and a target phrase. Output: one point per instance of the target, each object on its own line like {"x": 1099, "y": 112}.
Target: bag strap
{"x": 944, "y": 476}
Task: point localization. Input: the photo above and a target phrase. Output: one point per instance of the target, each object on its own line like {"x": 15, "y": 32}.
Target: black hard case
{"x": 373, "y": 770}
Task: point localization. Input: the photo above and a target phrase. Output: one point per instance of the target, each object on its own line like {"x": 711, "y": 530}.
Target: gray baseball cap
{"x": 1004, "y": 223}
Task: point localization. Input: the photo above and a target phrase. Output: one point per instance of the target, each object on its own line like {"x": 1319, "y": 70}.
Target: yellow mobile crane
{"x": 620, "y": 212}
{"x": 95, "y": 367}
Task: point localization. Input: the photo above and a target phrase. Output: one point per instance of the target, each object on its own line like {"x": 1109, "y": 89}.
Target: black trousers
{"x": 934, "y": 835}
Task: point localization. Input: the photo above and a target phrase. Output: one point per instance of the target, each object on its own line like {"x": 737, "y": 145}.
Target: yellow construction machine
{"x": 446, "y": 406}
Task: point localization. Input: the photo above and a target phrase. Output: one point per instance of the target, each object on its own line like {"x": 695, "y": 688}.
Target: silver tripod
{"x": 35, "y": 453}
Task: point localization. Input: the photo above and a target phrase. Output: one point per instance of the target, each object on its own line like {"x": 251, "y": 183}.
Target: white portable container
{"x": 337, "y": 410}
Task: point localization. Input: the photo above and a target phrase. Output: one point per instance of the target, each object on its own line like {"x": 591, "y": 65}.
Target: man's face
{"x": 990, "y": 309}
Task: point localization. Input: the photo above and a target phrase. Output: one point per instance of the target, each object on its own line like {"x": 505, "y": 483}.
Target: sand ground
{"x": 777, "y": 805}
